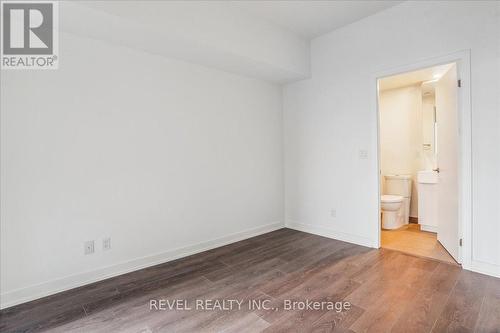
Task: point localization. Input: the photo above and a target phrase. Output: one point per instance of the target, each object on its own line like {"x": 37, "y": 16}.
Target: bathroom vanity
{"x": 427, "y": 181}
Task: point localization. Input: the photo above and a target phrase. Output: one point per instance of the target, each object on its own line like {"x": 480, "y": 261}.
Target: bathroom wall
{"x": 401, "y": 135}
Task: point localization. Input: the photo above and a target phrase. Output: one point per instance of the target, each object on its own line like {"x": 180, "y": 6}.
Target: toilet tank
{"x": 398, "y": 185}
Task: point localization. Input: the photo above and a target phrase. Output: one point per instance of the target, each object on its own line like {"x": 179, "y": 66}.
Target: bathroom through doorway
{"x": 421, "y": 164}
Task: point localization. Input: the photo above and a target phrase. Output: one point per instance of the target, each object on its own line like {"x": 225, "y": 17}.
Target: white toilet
{"x": 395, "y": 203}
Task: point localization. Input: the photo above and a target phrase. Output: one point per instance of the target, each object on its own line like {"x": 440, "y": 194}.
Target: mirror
{"x": 429, "y": 126}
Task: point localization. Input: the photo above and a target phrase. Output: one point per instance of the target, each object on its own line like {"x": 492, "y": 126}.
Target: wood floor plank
{"x": 249, "y": 324}
{"x": 338, "y": 322}
{"x": 383, "y": 277}
{"x": 332, "y": 262}
{"x": 421, "y": 314}
{"x": 300, "y": 321}
{"x": 135, "y": 312}
{"x": 320, "y": 288}
{"x": 387, "y": 291}
{"x": 265, "y": 251}
{"x": 489, "y": 315}
{"x": 464, "y": 304}
{"x": 381, "y": 315}
{"x": 313, "y": 255}
{"x": 46, "y": 321}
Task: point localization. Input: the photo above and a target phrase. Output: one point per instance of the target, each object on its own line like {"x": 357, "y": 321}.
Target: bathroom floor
{"x": 410, "y": 239}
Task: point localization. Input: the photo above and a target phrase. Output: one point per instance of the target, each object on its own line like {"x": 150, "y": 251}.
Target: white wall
{"x": 401, "y": 135}
{"x": 165, "y": 157}
{"x": 331, "y": 116}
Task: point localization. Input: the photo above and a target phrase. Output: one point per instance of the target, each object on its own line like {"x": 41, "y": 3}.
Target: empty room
{"x": 249, "y": 166}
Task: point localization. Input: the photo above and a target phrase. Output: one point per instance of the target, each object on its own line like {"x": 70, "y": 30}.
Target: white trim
{"x": 429, "y": 228}
{"x": 485, "y": 268}
{"x": 330, "y": 233}
{"x": 462, "y": 59}
{"x": 30, "y": 293}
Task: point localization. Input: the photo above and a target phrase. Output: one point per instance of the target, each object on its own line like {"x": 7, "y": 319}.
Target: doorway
{"x": 424, "y": 162}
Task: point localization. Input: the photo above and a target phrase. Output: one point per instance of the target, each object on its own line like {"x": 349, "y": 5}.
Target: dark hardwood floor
{"x": 387, "y": 291}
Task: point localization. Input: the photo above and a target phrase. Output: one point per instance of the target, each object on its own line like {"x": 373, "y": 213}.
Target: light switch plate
{"x": 363, "y": 154}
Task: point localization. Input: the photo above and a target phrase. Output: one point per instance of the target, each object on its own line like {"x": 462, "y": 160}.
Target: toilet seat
{"x": 391, "y": 198}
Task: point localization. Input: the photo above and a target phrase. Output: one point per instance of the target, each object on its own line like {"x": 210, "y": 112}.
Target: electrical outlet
{"x": 106, "y": 243}
{"x": 88, "y": 247}
{"x": 333, "y": 213}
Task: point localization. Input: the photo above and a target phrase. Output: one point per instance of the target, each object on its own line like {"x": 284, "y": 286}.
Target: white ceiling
{"x": 201, "y": 32}
{"x": 305, "y": 18}
{"x": 312, "y": 18}
{"x": 261, "y": 39}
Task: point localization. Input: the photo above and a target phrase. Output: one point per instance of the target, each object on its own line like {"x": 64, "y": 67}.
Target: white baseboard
{"x": 484, "y": 268}
{"x": 429, "y": 228}
{"x": 30, "y": 293}
{"x": 330, "y": 233}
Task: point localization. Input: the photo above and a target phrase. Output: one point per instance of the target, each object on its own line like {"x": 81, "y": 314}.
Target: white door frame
{"x": 462, "y": 60}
